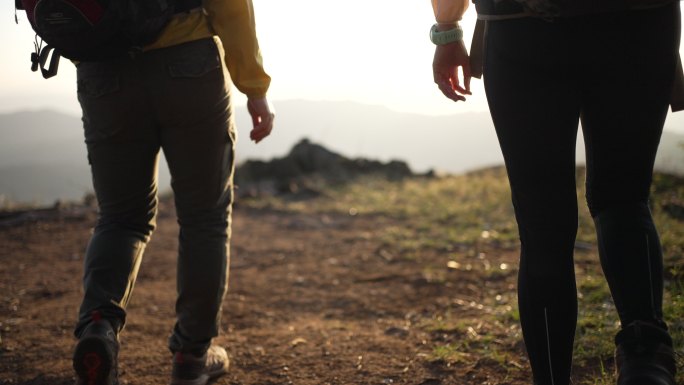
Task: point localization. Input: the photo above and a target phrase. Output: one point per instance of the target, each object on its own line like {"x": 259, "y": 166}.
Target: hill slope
{"x": 42, "y": 155}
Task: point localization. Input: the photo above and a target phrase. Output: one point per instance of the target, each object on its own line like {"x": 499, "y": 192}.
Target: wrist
{"x": 446, "y": 33}
{"x": 446, "y": 26}
{"x": 256, "y": 94}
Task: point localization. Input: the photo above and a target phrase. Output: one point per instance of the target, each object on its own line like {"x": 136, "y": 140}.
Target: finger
{"x": 444, "y": 83}
{"x": 457, "y": 87}
{"x": 455, "y": 83}
{"x": 441, "y": 73}
{"x": 259, "y": 131}
{"x": 465, "y": 89}
{"x": 448, "y": 91}
{"x": 263, "y": 129}
{"x": 258, "y": 136}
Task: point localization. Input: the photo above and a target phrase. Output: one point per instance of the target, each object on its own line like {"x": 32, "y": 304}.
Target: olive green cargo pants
{"x": 176, "y": 99}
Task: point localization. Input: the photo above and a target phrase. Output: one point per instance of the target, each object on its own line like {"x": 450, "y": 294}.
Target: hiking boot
{"x": 189, "y": 369}
{"x": 644, "y": 355}
{"x": 95, "y": 356}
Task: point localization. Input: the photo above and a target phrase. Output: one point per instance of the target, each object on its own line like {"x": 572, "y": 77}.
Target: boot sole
{"x": 646, "y": 378}
{"x": 93, "y": 362}
{"x": 202, "y": 379}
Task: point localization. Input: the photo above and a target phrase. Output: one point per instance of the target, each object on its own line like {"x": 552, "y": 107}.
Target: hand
{"x": 262, "y": 114}
{"x": 448, "y": 58}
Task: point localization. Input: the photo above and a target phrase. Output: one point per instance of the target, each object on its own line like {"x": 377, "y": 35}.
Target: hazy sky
{"x": 369, "y": 51}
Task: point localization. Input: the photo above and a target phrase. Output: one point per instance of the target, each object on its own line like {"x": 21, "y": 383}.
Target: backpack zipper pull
{"x": 35, "y": 56}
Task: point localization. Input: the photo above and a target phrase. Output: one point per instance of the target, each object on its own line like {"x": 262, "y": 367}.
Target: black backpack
{"x": 87, "y": 30}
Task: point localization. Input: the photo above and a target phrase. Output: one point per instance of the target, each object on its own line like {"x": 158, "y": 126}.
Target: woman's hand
{"x": 448, "y": 57}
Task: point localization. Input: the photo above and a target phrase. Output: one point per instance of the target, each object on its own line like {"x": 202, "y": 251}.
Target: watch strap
{"x": 445, "y": 37}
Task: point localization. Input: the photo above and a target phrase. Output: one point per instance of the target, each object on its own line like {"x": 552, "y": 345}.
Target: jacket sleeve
{"x": 449, "y": 11}
{"x": 233, "y": 22}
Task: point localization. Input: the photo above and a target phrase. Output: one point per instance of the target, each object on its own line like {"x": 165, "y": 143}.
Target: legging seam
{"x": 650, "y": 277}
{"x": 548, "y": 343}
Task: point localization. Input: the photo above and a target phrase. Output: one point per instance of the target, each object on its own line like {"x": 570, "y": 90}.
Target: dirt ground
{"x": 314, "y": 299}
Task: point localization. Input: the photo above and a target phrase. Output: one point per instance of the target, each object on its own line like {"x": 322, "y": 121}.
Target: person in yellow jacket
{"x": 547, "y": 64}
{"x": 174, "y": 96}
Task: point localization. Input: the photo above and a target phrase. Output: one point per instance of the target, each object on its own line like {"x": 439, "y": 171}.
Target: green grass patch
{"x": 434, "y": 212}
{"x": 473, "y": 212}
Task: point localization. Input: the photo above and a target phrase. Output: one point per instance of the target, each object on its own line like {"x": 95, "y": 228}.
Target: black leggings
{"x": 615, "y": 72}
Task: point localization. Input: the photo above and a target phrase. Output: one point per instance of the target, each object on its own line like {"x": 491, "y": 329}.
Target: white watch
{"x": 445, "y": 37}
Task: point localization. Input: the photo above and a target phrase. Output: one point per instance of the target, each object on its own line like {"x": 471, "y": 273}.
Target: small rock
{"x": 297, "y": 341}
{"x": 397, "y": 332}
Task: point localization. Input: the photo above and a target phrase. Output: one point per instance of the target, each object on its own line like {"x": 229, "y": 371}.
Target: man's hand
{"x": 262, "y": 118}
{"x": 448, "y": 58}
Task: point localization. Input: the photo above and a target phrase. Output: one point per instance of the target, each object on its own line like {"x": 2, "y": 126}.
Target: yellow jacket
{"x": 233, "y": 22}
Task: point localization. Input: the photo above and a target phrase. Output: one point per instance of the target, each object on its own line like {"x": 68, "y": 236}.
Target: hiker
{"x": 174, "y": 95}
{"x": 546, "y": 65}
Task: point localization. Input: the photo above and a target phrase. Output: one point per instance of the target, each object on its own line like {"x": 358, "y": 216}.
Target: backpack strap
{"x": 17, "y": 5}
{"x": 477, "y": 49}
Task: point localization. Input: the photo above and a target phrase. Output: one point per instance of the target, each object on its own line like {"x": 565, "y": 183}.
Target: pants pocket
{"x": 194, "y": 60}
{"x": 99, "y": 89}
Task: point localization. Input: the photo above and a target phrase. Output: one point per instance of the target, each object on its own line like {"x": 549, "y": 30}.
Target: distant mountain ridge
{"x": 43, "y": 157}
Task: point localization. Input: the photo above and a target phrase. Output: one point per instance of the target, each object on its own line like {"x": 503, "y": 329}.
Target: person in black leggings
{"x": 614, "y": 72}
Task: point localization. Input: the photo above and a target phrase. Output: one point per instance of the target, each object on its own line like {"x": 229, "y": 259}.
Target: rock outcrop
{"x": 309, "y": 163}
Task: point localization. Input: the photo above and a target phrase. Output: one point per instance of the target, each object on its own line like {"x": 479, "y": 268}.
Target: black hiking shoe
{"x": 644, "y": 355}
{"x": 95, "y": 356}
{"x": 189, "y": 369}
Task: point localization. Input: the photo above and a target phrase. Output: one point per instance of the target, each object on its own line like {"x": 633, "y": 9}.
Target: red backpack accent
{"x": 91, "y": 10}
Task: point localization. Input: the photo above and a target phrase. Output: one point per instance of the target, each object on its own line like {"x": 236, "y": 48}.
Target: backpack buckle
{"x": 40, "y": 58}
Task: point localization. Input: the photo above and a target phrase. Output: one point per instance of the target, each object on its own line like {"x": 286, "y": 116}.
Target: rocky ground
{"x": 374, "y": 283}
{"x": 314, "y": 299}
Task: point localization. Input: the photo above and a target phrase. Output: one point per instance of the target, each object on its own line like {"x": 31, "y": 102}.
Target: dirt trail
{"x": 314, "y": 299}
